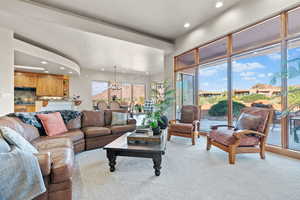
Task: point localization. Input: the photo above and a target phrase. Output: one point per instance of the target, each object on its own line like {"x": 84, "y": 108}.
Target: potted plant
{"x": 164, "y": 97}
{"x": 156, "y": 119}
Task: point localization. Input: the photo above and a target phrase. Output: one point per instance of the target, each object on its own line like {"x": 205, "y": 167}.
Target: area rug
{"x": 188, "y": 173}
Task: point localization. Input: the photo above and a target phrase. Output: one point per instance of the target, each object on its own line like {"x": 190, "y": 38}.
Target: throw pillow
{"x": 119, "y": 118}
{"x": 248, "y": 122}
{"x": 93, "y": 118}
{"x": 53, "y": 123}
{"x": 14, "y": 138}
{"x": 187, "y": 116}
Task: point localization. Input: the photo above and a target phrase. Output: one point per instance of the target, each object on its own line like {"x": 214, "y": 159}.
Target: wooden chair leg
{"x": 193, "y": 139}
{"x": 262, "y": 150}
{"x": 208, "y": 144}
{"x": 169, "y": 136}
{"x": 232, "y": 154}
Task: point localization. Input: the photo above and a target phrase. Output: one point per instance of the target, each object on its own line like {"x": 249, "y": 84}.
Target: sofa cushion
{"x": 93, "y": 118}
{"x": 29, "y": 132}
{"x": 119, "y": 118}
{"x": 91, "y": 132}
{"x": 46, "y": 143}
{"x": 181, "y": 128}
{"x": 108, "y": 115}
{"x": 123, "y": 128}
{"x": 62, "y": 164}
{"x": 14, "y": 138}
{"x": 225, "y": 137}
{"x": 74, "y": 123}
{"x": 75, "y": 135}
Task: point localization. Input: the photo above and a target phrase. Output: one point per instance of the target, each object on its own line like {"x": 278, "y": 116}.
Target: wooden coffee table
{"x": 119, "y": 147}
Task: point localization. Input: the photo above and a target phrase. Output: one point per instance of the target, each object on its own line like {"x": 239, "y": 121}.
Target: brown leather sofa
{"x": 97, "y": 128}
{"x": 56, "y": 153}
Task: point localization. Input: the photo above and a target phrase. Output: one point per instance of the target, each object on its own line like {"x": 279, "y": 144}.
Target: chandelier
{"x": 114, "y": 85}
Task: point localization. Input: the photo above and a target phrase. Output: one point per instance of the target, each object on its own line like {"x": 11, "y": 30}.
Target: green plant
{"x": 220, "y": 109}
{"x": 163, "y": 97}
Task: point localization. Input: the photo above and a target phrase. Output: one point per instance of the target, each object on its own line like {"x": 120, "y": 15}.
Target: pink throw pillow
{"x": 53, "y": 123}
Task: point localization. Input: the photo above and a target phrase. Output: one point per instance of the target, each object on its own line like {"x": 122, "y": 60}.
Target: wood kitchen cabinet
{"x": 24, "y": 108}
{"x": 50, "y": 85}
{"x": 25, "y": 80}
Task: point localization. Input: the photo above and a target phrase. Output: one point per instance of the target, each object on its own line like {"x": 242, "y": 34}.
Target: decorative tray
{"x": 144, "y": 136}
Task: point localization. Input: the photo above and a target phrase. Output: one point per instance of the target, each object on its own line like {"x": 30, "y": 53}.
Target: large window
{"x": 252, "y": 73}
{"x": 212, "y": 94}
{"x": 129, "y": 93}
{"x": 294, "y": 94}
{"x": 139, "y": 94}
{"x": 99, "y": 91}
{"x": 260, "y": 65}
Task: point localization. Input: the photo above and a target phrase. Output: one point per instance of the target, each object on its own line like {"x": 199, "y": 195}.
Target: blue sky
{"x": 246, "y": 72}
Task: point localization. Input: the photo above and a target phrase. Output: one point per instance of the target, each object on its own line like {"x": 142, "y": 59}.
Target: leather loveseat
{"x": 56, "y": 153}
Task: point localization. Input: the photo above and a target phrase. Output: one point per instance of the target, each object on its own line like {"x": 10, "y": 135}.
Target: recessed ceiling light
{"x": 44, "y": 62}
{"x": 186, "y": 25}
{"x": 46, "y": 71}
{"x": 102, "y": 69}
{"x": 219, "y": 4}
{"x": 29, "y": 67}
{"x": 70, "y": 72}
{"x": 62, "y": 68}
{"x": 147, "y": 73}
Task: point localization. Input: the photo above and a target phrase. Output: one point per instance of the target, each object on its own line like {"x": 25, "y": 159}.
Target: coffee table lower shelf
{"x": 156, "y": 157}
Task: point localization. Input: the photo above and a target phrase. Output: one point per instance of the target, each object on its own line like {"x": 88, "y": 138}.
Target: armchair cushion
{"x": 187, "y": 116}
{"x": 181, "y": 128}
{"x": 225, "y": 137}
{"x": 248, "y": 122}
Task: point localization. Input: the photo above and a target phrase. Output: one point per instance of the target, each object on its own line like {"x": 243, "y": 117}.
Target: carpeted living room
{"x": 131, "y": 99}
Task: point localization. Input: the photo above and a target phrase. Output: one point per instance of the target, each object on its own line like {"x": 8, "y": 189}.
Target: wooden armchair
{"x": 238, "y": 140}
{"x": 188, "y": 125}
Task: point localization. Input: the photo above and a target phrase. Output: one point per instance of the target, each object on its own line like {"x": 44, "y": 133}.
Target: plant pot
{"x": 156, "y": 131}
{"x": 164, "y": 123}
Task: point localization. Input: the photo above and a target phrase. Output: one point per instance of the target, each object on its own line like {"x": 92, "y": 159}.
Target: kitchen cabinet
{"x": 24, "y": 108}
{"x": 50, "y": 85}
{"x": 25, "y": 80}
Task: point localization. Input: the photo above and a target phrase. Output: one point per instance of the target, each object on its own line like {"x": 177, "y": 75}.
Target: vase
{"x": 77, "y": 102}
{"x": 156, "y": 131}
{"x": 163, "y": 124}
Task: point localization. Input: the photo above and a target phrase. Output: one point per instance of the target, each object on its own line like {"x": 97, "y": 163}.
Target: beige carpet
{"x": 188, "y": 172}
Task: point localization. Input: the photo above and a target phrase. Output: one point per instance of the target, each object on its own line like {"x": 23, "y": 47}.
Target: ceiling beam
{"x": 67, "y": 19}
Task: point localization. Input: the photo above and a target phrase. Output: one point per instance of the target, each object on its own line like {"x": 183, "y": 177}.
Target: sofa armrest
{"x": 131, "y": 121}
{"x": 44, "y": 162}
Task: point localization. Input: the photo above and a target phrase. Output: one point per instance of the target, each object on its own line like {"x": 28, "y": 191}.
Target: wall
{"x": 6, "y": 72}
{"x": 81, "y": 85}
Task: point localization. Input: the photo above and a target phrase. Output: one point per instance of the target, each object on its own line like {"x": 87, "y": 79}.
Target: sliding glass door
{"x": 185, "y": 89}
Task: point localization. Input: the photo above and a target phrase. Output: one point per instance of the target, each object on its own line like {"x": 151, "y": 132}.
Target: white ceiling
{"x": 88, "y": 50}
{"x": 160, "y": 18}
{"x": 95, "y": 36}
